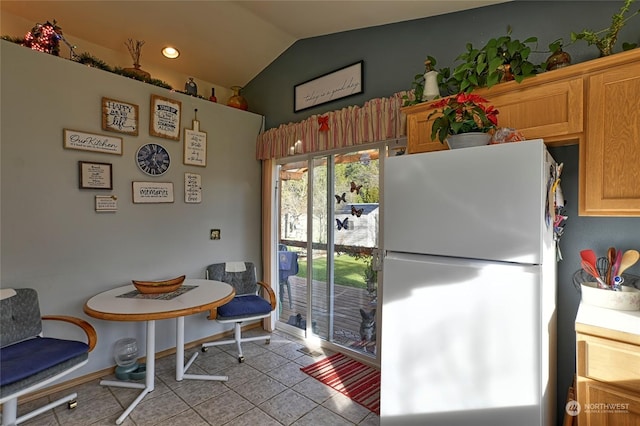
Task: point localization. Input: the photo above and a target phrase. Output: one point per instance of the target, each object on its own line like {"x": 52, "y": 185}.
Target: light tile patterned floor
{"x": 267, "y": 389}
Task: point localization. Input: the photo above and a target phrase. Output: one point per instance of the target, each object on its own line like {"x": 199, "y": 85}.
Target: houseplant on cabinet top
{"x": 500, "y": 59}
{"x": 463, "y": 113}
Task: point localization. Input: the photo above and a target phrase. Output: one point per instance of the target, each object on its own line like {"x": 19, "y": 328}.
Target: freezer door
{"x": 460, "y": 342}
{"x": 485, "y": 202}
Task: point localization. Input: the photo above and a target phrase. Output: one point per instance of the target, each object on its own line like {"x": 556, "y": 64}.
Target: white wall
{"x": 51, "y": 237}
{"x": 16, "y": 26}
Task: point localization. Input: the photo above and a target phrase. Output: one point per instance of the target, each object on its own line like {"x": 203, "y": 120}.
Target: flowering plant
{"x": 462, "y": 113}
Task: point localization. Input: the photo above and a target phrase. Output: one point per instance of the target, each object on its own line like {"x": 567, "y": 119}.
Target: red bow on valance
{"x": 324, "y": 123}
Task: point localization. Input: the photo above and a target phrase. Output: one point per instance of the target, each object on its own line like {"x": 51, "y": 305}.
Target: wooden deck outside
{"x": 347, "y": 304}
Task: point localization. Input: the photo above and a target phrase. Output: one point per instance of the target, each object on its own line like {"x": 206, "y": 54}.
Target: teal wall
{"x": 394, "y": 53}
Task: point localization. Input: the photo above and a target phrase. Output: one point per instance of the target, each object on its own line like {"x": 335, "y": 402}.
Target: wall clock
{"x": 153, "y": 159}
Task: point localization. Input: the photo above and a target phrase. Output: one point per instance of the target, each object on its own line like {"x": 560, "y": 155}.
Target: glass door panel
{"x": 292, "y": 245}
{"x": 356, "y": 229}
{"x": 333, "y": 280}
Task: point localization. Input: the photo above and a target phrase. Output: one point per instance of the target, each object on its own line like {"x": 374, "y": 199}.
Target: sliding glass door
{"x": 329, "y": 224}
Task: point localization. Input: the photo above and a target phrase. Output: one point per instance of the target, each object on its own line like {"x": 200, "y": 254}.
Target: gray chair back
{"x": 19, "y": 317}
{"x": 244, "y": 282}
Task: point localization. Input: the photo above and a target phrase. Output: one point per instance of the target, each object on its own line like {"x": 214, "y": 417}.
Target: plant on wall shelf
{"x": 500, "y": 59}
{"x": 605, "y": 39}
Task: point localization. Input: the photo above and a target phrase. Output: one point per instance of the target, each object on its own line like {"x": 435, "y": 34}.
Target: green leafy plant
{"x": 462, "y": 113}
{"x": 605, "y": 39}
{"x": 500, "y": 59}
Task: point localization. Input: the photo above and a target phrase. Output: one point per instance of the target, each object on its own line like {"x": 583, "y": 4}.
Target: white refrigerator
{"x": 469, "y": 288}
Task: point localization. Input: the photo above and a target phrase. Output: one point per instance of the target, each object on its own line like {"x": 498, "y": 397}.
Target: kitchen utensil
{"x": 611, "y": 257}
{"x": 616, "y": 264}
{"x": 589, "y": 256}
{"x": 628, "y": 259}
{"x": 591, "y": 270}
{"x": 602, "y": 266}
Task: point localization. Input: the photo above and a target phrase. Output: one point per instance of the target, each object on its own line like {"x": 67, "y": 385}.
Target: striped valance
{"x": 377, "y": 120}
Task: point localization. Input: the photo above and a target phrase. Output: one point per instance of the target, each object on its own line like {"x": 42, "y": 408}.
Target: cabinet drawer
{"x": 615, "y": 363}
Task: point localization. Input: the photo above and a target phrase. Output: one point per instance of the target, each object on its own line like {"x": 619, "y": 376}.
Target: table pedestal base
{"x": 149, "y": 384}
{"x": 181, "y": 368}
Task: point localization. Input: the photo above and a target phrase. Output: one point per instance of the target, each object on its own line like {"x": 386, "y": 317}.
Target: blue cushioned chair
{"x": 247, "y": 305}
{"x": 28, "y": 360}
{"x": 287, "y": 266}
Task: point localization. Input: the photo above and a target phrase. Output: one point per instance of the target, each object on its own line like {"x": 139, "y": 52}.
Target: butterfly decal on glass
{"x": 356, "y": 212}
{"x": 355, "y": 188}
{"x": 342, "y": 224}
{"x": 341, "y": 198}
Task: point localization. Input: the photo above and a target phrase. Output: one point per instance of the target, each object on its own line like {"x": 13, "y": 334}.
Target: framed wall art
{"x": 195, "y": 146}
{"x": 192, "y": 188}
{"x": 329, "y": 87}
{"x": 165, "y": 118}
{"x": 84, "y": 141}
{"x": 119, "y": 116}
{"x": 152, "y": 192}
{"x": 95, "y": 175}
{"x": 106, "y": 203}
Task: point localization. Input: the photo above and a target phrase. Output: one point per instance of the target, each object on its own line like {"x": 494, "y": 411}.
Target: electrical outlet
{"x": 215, "y": 234}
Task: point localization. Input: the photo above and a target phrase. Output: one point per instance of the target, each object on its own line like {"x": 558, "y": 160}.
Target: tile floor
{"x": 268, "y": 389}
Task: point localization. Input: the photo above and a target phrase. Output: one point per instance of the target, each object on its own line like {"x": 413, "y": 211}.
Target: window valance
{"x": 377, "y": 120}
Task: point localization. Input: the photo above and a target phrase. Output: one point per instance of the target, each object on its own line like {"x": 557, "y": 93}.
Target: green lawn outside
{"x": 348, "y": 270}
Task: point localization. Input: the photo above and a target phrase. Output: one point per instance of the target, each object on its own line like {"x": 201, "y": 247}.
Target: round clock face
{"x": 153, "y": 159}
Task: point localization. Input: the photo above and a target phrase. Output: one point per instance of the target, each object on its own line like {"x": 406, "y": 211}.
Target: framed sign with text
{"x": 152, "y": 192}
{"x": 84, "y": 141}
{"x": 164, "y": 121}
{"x": 95, "y": 175}
{"x": 118, "y": 116}
{"x": 329, "y": 87}
{"x": 195, "y": 146}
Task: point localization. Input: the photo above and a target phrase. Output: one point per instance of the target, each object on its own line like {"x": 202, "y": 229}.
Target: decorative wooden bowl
{"x": 156, "y": 287}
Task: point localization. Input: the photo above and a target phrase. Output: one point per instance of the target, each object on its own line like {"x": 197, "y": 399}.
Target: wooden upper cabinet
{"x": 419, "y": 129}
{"x": 538, "y": 108}
{"x": 551, "y": 111}
{"x": 610, "y": 157}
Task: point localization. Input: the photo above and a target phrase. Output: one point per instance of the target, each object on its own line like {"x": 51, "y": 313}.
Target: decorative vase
{"x": 431, "y": 90}
{"x": 466, "y": 140}
{"x": 558, "y": 59}
{"x": 237, "y": 100}
{"x": 213, "y": 98}
{"x": 138, "y": 71}
{"x": 191, "y": 87}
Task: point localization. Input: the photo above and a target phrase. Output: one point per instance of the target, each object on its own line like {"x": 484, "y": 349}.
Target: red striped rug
{"x": 358, "y": 381}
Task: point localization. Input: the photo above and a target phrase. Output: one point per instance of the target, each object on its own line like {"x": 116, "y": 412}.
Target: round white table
{"x": 205, "y": 296}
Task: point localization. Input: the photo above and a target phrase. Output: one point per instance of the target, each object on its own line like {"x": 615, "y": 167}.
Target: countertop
{"x": 624, "y": 321}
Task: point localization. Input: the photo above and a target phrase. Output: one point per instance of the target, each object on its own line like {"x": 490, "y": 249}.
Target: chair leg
{"x": 237, "y": 334}
{"x": 10, "y": 411}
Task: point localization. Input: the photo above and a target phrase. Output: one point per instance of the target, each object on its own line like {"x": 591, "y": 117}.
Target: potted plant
{"x": 605, "y": 39}
{"x": 463, "y": 113}
{"x": 500, "y": 59}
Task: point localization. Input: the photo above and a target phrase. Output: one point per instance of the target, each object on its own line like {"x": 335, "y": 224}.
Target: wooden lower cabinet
{"x": 607, "y": 406}
{"x": 608, "y": 379}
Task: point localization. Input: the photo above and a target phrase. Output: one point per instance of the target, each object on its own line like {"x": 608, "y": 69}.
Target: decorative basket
{"x": 626, "y": 300}
{"x": 156, "y": 287}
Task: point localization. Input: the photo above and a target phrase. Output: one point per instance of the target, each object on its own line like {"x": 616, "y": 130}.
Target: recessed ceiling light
{"x": 170, "y": 52}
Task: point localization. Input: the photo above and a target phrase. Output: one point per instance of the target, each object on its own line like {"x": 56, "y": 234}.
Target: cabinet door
{"x": 551, "y": 111}
{"x": 610, "y": 155}
{"x": 419, "y": 131}
{"x": 604, "y": 405}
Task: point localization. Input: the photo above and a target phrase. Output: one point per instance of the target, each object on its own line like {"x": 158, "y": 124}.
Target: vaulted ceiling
{"x": 223, "y": 42}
